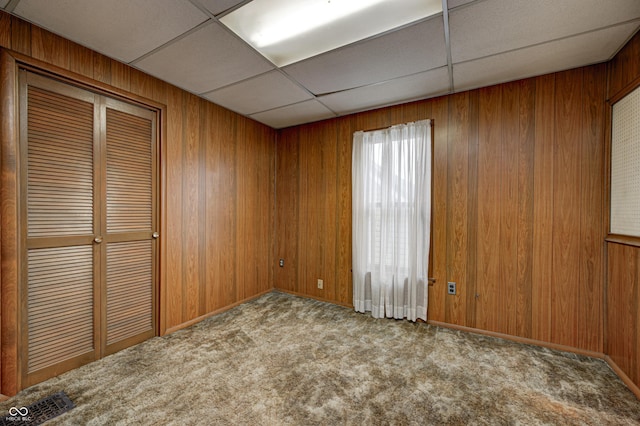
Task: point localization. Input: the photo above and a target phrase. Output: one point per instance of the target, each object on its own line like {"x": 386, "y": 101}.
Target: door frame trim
{"x": 10, "y": 246}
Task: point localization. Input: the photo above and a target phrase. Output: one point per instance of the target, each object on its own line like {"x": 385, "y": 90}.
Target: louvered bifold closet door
{"x": 58, "y": 140}
{"x": 130, "y": 224}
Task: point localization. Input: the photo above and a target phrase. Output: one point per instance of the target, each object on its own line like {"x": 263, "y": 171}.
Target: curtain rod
{"x": 388, "y": 127}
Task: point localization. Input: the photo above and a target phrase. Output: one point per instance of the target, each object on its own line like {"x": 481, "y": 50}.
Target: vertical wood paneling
{"x": 174, "y": 207}
{"x": 622, "y": 289}
{"x": 590, "y": 290}
{"x": 543, "y": 207}
{"x": 202, "y": 151}
{"x": 190, "y": 223}
{"x": 623, "y": 333}
{"x": 228, "y": 280}
{"x": 80, "y": 60}
{"x": 490, "y": 305}
{"x": 624, "y": 68}
{"x": 515, "y": 166}
{"x": 524, "y": 250}
{"x": 121, "y": 78}
{"x": 440, "y": 113}
{"x": 211, "y": 251}
{"x": 457, "y": 195}
{"x": 344, "y": 141}
{"x": 20, "y": 36}
{"x": 472, "y": 209}
{"x": 5, "y": 30}
{"x": 204, "y": 290}
{"x": 508, "y": 207}
{"x": 102, "y": 68}
{"x": 287, "y": 210}
{"x": 49, "y": 47}
{"x": 566, "y": 215}
{"x": 328, "y": 195}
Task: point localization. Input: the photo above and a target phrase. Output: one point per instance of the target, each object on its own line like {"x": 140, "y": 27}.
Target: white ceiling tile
{"x": 492, "y": 26}
{"x": 266, "y": 91}
{"x": 219, "y": 6}
{"x": 413, "y": 49}
{"x": 3, "y": 3}
{"x": 304, "y": 112}
{"x": 121, "y": 29}
{"x": 418, "y": 86}
{"x": 541, "y": 59}
{"x": 205, "y": 60}
{"x": 455, "y": 3}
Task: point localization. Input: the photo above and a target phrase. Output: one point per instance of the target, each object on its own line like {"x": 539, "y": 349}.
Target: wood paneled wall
{"x": 517, "y": 214}
{"x": 622, "y": 333}
{"x": 219, "y": 174}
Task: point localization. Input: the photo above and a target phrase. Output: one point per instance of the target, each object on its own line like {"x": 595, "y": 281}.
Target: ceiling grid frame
{"x": 593, "y": 37}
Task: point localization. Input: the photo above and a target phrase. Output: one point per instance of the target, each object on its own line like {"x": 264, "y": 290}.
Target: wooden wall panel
{"x": 566, "y": 215}
{"x": 524, "y": 244}
{"x": 219, "y": 185}
{"x": 515, "y": 166}
{"x": 488, "y": 309}
{"x": 624, "y": 68}
{"x": 457, "y": 195}
{"x": 542, "y": 280}
{"x": 592, "y": 211}
{"x": 343, "y": 291}
{"x": 623, "y": 301}
{"x": 437, "y": 293}
{"x": 508, "y": 196}
{"x": 622, "y": 290}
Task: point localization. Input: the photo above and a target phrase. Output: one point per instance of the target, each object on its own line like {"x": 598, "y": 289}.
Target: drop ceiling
{"x": 473, "y": 43}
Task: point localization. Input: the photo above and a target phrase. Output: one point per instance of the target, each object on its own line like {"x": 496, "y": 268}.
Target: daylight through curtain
{"x": 391, "y": 220}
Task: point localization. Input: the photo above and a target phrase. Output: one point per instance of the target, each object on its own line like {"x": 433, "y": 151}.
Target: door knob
{"x": 97, "y": 240}
{"x": 155, "y": 235}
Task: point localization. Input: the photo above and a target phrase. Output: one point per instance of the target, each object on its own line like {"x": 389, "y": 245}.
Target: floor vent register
{"x": 38, "y": 412}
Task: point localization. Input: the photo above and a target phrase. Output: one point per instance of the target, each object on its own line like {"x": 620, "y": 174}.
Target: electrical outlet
{"x": 281, "y": 263}
{"x": 451, "y": 287}
{"x": 320, "y": 284}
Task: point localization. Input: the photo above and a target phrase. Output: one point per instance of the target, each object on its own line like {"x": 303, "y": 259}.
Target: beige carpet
{"x": 286, "y": 360}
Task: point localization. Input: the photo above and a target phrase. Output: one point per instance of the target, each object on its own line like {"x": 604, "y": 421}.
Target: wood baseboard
{"x": 295, "y": 293}
{"x": 517, "y": 339}
{"x": 212, "y": 313}
{"x": 623, "y": 376}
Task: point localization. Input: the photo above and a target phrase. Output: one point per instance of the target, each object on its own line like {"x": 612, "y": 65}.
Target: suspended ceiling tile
{"x": 121, "y": 29}
{"x": 205, "y": 60}
{"x": 541, "y": 59}
{"x": 219, "y": 6}
{"x": 493, "y": 26}
{"x": 418, "y": 86}
{"x": 291, "y": 115}
{"x": 413, "y": 49}
{"x": 266, "y": 91}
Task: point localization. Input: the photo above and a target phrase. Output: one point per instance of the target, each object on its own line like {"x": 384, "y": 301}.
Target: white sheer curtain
{"x": 391, "y": 179}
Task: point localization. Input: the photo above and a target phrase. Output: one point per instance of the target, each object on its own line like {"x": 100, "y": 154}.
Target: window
{"x": 625, "y": 166}
{"x": 391, "y": 220}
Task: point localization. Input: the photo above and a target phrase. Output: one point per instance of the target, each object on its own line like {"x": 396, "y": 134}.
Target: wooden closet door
{"x": 130, "y": 224}
{"x": 59, "y": 204}
{"x": 88, "y": 221}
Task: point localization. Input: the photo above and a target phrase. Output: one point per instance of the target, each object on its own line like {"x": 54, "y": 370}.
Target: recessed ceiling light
{"x": 288, "y": 31}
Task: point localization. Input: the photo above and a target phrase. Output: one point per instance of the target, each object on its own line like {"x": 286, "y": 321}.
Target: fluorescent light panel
{"x": 288, "y": 31}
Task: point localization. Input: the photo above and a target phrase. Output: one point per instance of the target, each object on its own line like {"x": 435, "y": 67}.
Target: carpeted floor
{"x": 282, "y": 359}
